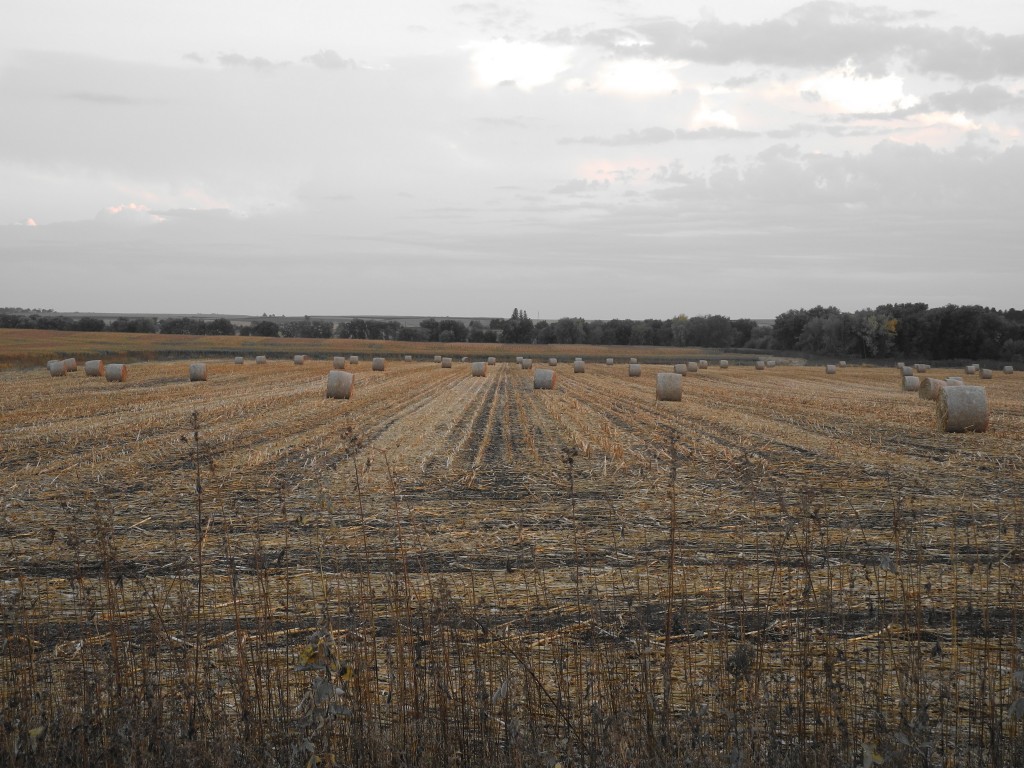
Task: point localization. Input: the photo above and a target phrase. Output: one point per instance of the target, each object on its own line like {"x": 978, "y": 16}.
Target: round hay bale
{"x": 552, "y": 361}
{"x": 609, "y": 361}
{"x": 954, "y": 381}
{"x": 692, "y": 367}
{"x": 479, "y": 369}
{"x": 723, "y": 363}
{"x": 377, "y": 364}
{"x": 963, "y": 409}
{"x": 930, "y": 388}
{"x": 116, "y": 372}
{"x": 830, "y": 369}
{"x": 906, "y": 370}
{"x": 437, "y": 358}
{"x": 899, "y": 366}
{"x": 634, "y": 370}
{"x": 353, "y": 359}
{"x": 760, "y": 365}
{"x": 770, "y": 363}
{"x": 842, "y": 363}
{"x": 56, "y": 367}
{"x": 261, "y": 359}
{"x": 492, "y": 360}
{"x": 340, "y": 385}
{"x": 464, "y": 359}
{"x": 920, "y": 367}
{"x": 544, "y": 378}
{"x": 93, "y": 367}
{"x": 680, "y": 368}
{"x": 70, "y": 365}
{"x": 969, "y": 369}
{"x": 407, "y": 358}
{"x": 702, "y": 364}
{"x": 527, "y": 363}
{"x": 239, "y": 361}
{"x": 632, "y": 361}
{"x": 1007, "y": 369}
{"x": 446, "y": 362}
{"x": 197, "y": 372}
{"x": 338, "y": 364}
{"x": 669, "y": 386}
{"x": 299, "y": 359}
{"x": 911, "y": 384}
{"x": 986, "y": 373}
{"x": 519, "y": 359}
{"x": 578, "y": 366}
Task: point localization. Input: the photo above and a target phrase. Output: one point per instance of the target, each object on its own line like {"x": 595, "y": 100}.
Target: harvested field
{"x": 779, "y": 569}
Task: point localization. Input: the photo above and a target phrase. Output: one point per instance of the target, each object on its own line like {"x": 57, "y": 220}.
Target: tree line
{"x": 912, "y": 330}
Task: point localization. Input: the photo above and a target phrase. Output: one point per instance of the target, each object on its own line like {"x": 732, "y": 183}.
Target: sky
{"x": 609, "y": 158}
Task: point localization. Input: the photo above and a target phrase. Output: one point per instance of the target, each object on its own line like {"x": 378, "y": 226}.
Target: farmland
{"x": 784, "y": 568}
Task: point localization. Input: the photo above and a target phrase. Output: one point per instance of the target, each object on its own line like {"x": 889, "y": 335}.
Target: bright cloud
{"x": 849, "y": 92}
{"x": 129, "y": 213}
{"x": 715, "y": 118}
{"x": 639, "y": 77}
{"x": 528, "y": 65}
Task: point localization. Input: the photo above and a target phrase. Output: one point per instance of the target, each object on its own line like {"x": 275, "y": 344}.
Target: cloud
{"x": 822, "y": 35}
{"x": 329, "y": 59}
{"x": 581, "y": 186}
{"x": 128, "y": 214}
{"x": 258, "y": 63}
{"x": 656, "y": 135}
{"x": 194, "y": 57}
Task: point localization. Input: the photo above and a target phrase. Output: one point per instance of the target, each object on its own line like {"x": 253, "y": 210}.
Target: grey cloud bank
{"x": 829, "y": 153}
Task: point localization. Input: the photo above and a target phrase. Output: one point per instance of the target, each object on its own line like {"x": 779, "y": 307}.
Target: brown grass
{"x": 462, "y": 571}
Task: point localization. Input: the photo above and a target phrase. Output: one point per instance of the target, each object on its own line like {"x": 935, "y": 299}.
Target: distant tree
{"x": 742, "y": 331}
{"x": 134, "y": 325}
{"x": 220, "y": 327}
{"x": 519, "y": 328}
{"x": 92, "y": 324}
{"x": 266, "y": 328}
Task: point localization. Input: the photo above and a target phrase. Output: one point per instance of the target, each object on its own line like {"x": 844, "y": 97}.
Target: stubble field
{"x": 784, "y": 568}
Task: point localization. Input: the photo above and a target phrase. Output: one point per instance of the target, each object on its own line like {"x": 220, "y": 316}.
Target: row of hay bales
{"x": 959, "y": 407}
{"x": 111, "y": 372}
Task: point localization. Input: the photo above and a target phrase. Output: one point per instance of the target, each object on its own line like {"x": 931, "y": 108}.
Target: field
{"x": 784, "y": 568}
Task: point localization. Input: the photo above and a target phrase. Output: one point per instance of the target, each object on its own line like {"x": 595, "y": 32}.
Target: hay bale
{"x": 492, "y": 360}
{"x": 239, "y": 361}
{"x": 299, "y": 359}
{"x": 478, "y": 369}
{"x": 377, "y": 364}
{"x": 527, "y": 363}
{"x": 702, "y": 364}
{"x": 986, "y": 373}
{"x": 93, "y": 367}
{"x": 634, "y": 370}
{"x": 906, "y": 370}
{"x": 70, "y": 365}
{"x": 609, "y": 361}
{"x": 578, "y": 366}
{"x": 339, "y": 363}
{"x": 1007, "y": 369}
{"x": 632, "y": 361}
{"x": 899, "y": 366}
{"x": 116, "y": 372}
{"x": 464, "y": 359}
{"x": 911, "y": 384}
{"x": 552, "y": 361}
{"x": 669, "y": 386}
{"x": 544, "y": 378}
{"x": 963, "y": 409}
{"x": 723, "y": 363}
{"x": 340, "y": 385}
{"x": 56, "y": 367}
{"x": 353, "y": 359}
{"x": 954, "y": 381}
{"x": 770, "y": 363}
{"x": 930, "y": 388}
{"x": 519, "y": 359}
{"x": 261, "y": 359}
{"x": 842, "y": 363}
{"x": 407, "y": 358}
{"x": 921, "y": 367}
{"x": 760, "y": 365}
{"x": 970, "y": 369}
{"x": 830, "y": 369}
{"x": 446, "y": 362}
{"x": 437, "y": 358}
{"x": 692, "y": 367}
{"x": 197, "y": 372}
{"x": 680, "y": 368}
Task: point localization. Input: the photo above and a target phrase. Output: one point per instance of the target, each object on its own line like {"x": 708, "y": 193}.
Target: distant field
{"x": 784, "y": 568}
{"x": 25, "y": 348}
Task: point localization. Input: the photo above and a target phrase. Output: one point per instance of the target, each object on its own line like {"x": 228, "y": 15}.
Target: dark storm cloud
{"x": 823, "y": 35}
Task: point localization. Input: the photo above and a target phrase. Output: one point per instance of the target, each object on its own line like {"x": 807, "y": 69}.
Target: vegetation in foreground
{"x": 781, "y": 569}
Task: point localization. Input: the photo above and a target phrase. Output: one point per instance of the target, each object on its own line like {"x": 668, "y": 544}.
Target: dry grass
{"x": 452, "y": 570}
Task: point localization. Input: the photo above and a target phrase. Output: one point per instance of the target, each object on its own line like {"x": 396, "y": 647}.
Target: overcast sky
{"x": 608, "y": 158}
